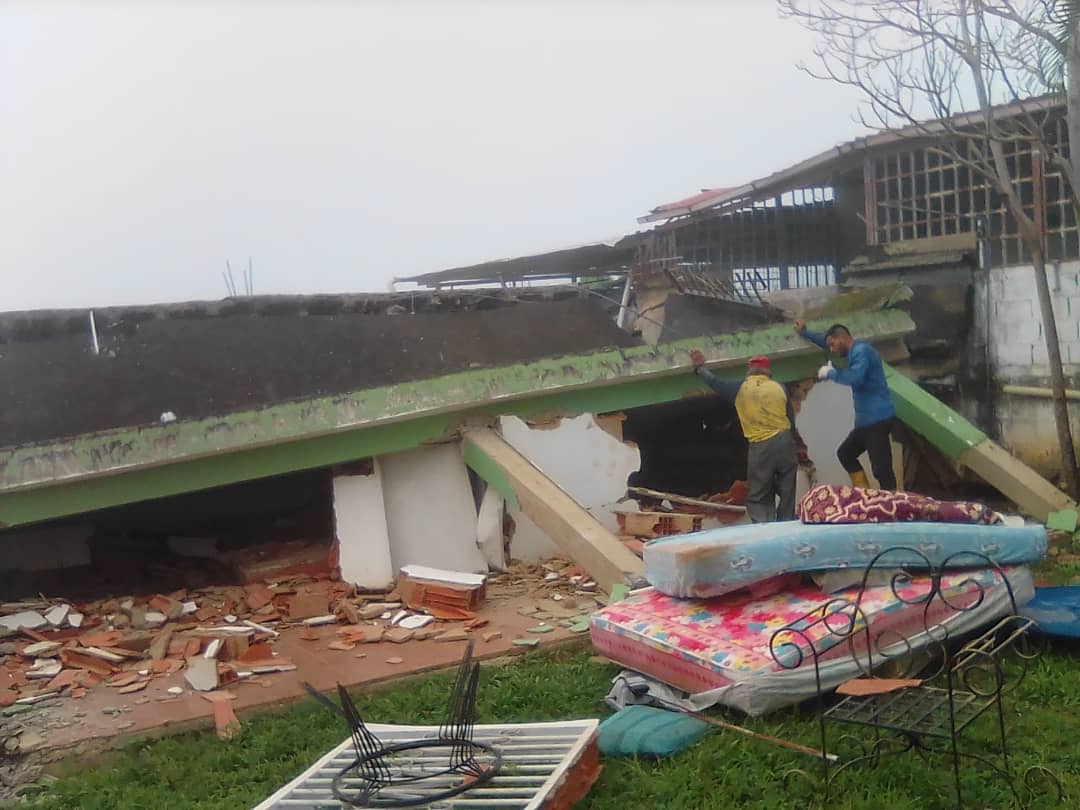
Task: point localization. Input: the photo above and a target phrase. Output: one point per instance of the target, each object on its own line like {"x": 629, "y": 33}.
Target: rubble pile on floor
{"x": 160, "y": 648}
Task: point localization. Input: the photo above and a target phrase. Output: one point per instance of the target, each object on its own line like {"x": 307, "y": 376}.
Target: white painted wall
{"x": 431, "y": 517}
{"x": 1018, "y": 354}
{"x": 362, "y": 534}
{"x": 585, "y": 460}
{"x": 40, "y": 549}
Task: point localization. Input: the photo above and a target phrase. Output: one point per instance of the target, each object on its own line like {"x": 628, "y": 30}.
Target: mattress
{"x": 720, "y": 647}
{"x": 719, "y": 561}
{"x": 1056, "y": 610}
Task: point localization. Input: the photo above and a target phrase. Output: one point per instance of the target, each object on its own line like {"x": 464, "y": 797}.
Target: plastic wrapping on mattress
{"x": 723, "y": 560}
{"x": 718, "y": 650}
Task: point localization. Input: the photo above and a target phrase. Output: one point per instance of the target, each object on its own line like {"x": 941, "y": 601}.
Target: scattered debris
{"x": 56, "y": 615}
{"x": 28, "y": 619}
{"x": 44, "y": 668}
{"x": 422, "y": 588}
{"x": 42, "y": 649}
{"x": 457, "y": 634}
{"x": 308, "y": 606}
{"x": 202, "y": 674}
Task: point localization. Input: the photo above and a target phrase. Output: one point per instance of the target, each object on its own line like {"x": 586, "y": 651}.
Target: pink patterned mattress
{"x": 702, "y": 644}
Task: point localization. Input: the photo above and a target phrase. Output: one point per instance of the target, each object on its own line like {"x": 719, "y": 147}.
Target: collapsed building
{"x": 499, "y": 412}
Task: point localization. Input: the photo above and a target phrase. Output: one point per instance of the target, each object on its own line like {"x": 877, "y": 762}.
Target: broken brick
{"x": 205, "y": 614}
{"x": 226, "y": 723}
{"x": 257, "y": 596}
{"x": 133, "y": 642}
{"x": 171, "y": 608}
{"x": 104, "y": 639}
{"x": 192, "y": 647}
{"x": 123, "y": 680}
{"x": 235, "y": 646}
{"x": 134, "y": 687}
{"x": 159, "y": 647}
{"x": 399, "y": 635}
{"x": 280, "y": 561}
{"x": 373, "y": 635}
{"x": 256, "y": 652}
{"x": 89, "y": 679}
{"x": 457, "y": 634}
{"x": 177, "y": 646}
{"x": 79, "y": 660}
{"x": 69, "y": 677}
{"x": 308, "y": 605}
{"x": 341, "y": 646}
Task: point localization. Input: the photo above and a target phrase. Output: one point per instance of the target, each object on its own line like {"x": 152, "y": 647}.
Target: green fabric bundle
{"x": 646, "y": 731}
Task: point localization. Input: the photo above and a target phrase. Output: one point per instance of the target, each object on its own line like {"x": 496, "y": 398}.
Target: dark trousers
{"x": 770, "y": 474}
{"x": 875, "y": 441}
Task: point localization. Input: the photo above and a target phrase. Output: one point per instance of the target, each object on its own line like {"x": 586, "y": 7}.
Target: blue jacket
{"x": 865, "y": 375}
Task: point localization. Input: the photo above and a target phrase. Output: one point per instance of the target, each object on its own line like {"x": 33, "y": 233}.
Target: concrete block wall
{"x": 1018, "y": 347}
{"x": 1018, "y": 354}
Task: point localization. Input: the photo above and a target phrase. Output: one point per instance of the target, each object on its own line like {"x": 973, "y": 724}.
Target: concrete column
{"x": 360, "y": 526}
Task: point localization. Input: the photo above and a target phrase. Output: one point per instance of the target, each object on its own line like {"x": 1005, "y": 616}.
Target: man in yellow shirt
{"x": 767, "y": 419}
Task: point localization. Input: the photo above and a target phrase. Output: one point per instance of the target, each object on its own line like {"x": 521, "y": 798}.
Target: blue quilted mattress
{"x": 719, "y": 561}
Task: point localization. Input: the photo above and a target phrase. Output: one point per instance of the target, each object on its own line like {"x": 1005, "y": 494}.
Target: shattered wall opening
{"x": 688, "y": 447}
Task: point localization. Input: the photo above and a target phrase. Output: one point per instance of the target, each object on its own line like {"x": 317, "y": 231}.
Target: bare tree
{"x": 938, "y": 69}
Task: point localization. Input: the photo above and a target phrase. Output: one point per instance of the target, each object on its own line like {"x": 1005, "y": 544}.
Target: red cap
{"x": 760, "y": 363}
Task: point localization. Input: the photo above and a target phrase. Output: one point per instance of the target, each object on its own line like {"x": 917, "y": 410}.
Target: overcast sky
{"x": 343, "y": 144}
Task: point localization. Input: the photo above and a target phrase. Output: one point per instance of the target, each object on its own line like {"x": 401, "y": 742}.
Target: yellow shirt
{"x": 762, "y": 407}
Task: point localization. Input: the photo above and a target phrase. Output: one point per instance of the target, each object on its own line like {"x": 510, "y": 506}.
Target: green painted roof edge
{"x": 577, "y": 380}
{"x": 930, "y": 417}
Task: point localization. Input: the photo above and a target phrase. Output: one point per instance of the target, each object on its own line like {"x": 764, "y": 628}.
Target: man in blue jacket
{"x": 874, "y": 409}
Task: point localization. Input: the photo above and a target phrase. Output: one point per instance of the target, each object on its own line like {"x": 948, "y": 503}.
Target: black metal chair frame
{"x": 961, "y": 681}
{"x": 417, "y": 772}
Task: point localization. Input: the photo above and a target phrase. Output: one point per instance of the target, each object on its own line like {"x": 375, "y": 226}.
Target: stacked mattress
{"x": 723, "y": 560}
{"x": 707, "y": 626}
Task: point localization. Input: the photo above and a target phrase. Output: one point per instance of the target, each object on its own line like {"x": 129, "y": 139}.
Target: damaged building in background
{"x": 876, "y": 210}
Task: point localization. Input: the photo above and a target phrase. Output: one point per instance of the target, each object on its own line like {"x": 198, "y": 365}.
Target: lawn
{"x": 725, "y": 770}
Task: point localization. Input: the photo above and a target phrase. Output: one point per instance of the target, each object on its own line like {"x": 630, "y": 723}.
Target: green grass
{"x": 725, "y": 770}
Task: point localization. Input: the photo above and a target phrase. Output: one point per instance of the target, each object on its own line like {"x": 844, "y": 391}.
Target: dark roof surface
{"x": 207, "y": 359}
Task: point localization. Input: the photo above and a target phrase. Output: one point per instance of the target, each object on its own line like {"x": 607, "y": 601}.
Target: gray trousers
{"x": 770, "y": 473}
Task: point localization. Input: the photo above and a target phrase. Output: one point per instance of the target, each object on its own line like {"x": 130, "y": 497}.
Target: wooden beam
{"x": 1015, "y": 480}
{"x": 565, "y": 521}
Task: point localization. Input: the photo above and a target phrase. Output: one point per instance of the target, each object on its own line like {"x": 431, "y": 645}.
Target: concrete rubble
{"x": 215, "y": 640}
